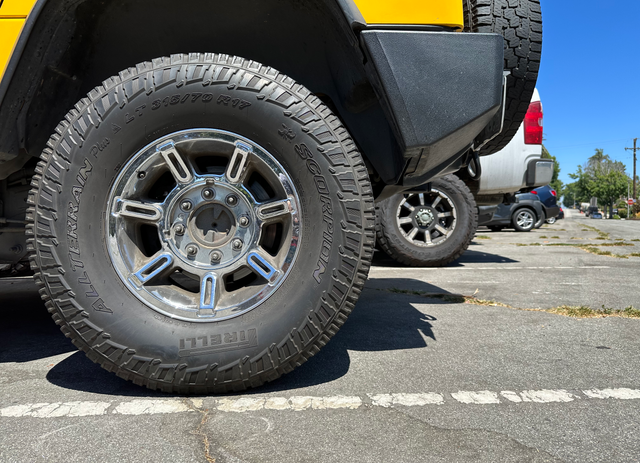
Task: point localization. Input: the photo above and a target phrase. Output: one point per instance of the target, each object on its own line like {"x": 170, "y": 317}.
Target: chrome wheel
{"x": 525, "y": 219}
{"x": 203, "y": 225}
{"x": 426, "y": 219}
{"x": 551, "y": 220}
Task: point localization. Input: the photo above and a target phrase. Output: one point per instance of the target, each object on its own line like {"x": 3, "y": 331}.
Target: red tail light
{"x": 553, "y": 192}
{"x": 533, "y": 124}
{"x": 534, "y": 192}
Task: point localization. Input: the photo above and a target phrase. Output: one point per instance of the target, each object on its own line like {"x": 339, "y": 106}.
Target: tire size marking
{"x": 234, "y": 102}
{"x": 327, "y": 210}
{"x": 194, "y": 97}
{"x": 226, "y": 342}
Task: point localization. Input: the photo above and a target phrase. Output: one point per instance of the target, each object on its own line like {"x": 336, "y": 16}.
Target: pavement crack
{"x": 199, "y": 429}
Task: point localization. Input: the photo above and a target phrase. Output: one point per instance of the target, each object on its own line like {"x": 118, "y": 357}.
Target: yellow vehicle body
{"x": 438, "y": 12}
{"x": 13, "y": 14}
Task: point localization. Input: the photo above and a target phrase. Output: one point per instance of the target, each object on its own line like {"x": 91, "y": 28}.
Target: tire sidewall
{"x": 91, "y": 277}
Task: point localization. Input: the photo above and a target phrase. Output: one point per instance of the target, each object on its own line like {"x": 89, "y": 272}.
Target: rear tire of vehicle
{"x": 520, "y": 23}
{"x": 551, "y": 220}
{"x": 394, "y": 240}
{"x": 541, "y": 220}
{"x": 523, "y": 219}
{"x": 331, "y": 219}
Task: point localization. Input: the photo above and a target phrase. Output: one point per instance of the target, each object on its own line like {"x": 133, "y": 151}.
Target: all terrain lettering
{"x": 72, "y": 229}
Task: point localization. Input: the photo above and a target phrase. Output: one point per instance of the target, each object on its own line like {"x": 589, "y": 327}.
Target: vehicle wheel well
{"x": 528, "y": 208}
{"x": 75, "y": 44}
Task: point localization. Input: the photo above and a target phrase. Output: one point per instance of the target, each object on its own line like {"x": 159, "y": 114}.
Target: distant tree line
{"x": 600, "y": 177}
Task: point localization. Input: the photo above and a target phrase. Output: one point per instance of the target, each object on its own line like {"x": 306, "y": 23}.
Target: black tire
{"x": 496, "y": 228}
{"x": 89, "y": 300}
{"x": 520, "y": 23}
{"x": 541, "y": 220}
{"x": 531, "y": 220}
{"x": 394, "y": 241}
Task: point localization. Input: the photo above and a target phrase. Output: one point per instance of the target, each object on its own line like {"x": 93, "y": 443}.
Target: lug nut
{"x": 244, "y": 221}
{"x": 179, "y": 229}
{"x": 216, "y": 256}
{"x": 208, "y": 193}
{"x": 192, "y": 250}
{"x": 186, "y": 205}
{"x": 142, "y": 175}
{"x": 232, "y": 200}
{"x": 237, "y": 244}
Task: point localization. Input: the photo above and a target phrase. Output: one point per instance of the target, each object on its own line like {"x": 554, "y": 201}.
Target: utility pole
{"x": 634, "y": 165}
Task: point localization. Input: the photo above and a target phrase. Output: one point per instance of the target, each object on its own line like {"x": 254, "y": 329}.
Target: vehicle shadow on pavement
{"x": 27, "y": 331}
{"x": 473, "y": 255}
{"x": 381, "y": 321}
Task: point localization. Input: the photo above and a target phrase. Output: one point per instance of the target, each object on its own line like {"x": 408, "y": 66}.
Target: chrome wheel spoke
{"x": 156, "y": 265}
{"x": 260, "y": 263}
{"x": 274, "y": 209}
{"x": 175, "y": 162}
{"x": 147, "y": 212}
{"x": 208, "y": 291}
{"x": 405, "y": 220}
{"x": 412, "y": 234}
{"x": 443, "y": 215}
{"x": 238, "y": 164}
{"x": 427, "y": 237}
{"x": 436, "y": 202}
{"x": 441, "y": 229}
{"x": 421, "y": 198}
{"x": 405, "y": 204}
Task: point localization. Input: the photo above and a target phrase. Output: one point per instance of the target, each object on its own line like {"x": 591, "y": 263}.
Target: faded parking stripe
{"x": 310, "y": 403}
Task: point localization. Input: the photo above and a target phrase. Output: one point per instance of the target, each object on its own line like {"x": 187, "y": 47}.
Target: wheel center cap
{"x": 424, "y": 217}
{"x": 213, "y": 224}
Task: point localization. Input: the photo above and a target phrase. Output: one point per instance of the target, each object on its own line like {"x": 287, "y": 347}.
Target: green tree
{"x": 578, "y": 190}
{"x": 555, "y": 183}
{"x": 608, "y": 187}
{"x": 600, "y": 177}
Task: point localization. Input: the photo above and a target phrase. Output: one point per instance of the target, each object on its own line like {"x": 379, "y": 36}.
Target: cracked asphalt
{"x": 397, "y": 341}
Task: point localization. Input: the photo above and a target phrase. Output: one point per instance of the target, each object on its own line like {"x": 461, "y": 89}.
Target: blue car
{"x": 522, "y": 214}
{"x": 548, "y": 198}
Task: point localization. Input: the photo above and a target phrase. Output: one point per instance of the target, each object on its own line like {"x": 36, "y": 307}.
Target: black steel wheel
{"x": 428, "y": 229}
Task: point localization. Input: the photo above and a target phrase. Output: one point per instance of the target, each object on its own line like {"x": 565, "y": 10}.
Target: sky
{"x": 589, "y": 80}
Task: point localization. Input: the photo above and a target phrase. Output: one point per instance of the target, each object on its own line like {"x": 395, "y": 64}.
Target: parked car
{"x": 201, "y": 222}
{"x": 521, "y": 215}
{"x": 548, "y": 198}
{"x": 596, "y": 215}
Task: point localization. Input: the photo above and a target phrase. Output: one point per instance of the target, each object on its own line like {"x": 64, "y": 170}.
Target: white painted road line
{"x": 301, "y": 403}
{"x": 624, "y": 394}
{"x": 408, "y": 400}
{"x": 480, "y": 398}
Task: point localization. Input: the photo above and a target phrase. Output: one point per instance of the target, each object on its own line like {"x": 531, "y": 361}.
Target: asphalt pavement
{"x": 414, "y": 375}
